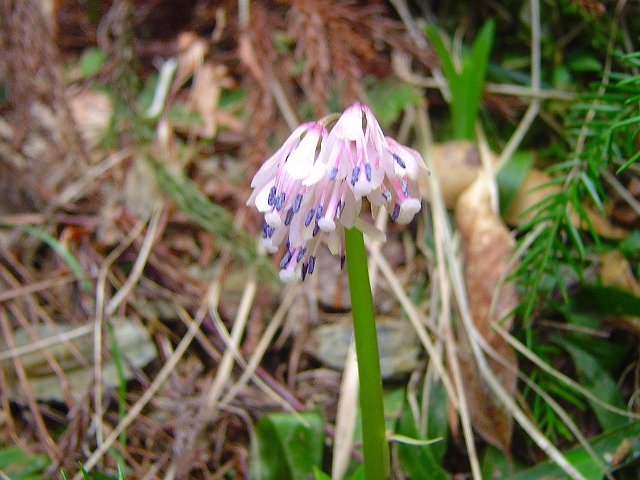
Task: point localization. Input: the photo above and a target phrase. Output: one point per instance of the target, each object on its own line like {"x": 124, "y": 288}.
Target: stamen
{"x": 333, "y": 174}
{"x": 355, "y": 173}
{"x": 288, "y": 217}
{"x": 280, "y": 201}
{"x": 272, "y": 196}
{"x": 319, "y": 211}
{"x": 397, "y": 158}
{"x": 367, "y": 171}
{"x": 405, "y": 187}
{"x": 309, "y": 217}
{"x": 297, "y": 202}
{"x": 312, "y": 264}
{"x": 343, "y": 259}
{"x": 304, "y": 271}
{"x": 301, "y": 253}
{"x": 387, "y": 195}
{"x": 396, "y": 212}
{"x": 285, "y": 260}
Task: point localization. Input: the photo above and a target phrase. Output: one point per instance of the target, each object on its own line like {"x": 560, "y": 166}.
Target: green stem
{"x": 374, "y": 445}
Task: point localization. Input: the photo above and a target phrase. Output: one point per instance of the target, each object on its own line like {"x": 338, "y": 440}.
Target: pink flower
{"x": 312, "y": 187}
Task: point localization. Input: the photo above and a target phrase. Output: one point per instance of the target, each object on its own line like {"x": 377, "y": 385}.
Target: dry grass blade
{"x": 454, "y": 271}
{"x": 148, "y": 394}
{"x": 261, "y": 348}
{"x": 223, "y": 373}
{"x": 98, "y": 324}
{"x": 345, "y": 416}
{"x": 48, "y": 442}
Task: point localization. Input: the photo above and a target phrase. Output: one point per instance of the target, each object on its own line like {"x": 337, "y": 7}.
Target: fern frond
{"x": 603, "y": 128}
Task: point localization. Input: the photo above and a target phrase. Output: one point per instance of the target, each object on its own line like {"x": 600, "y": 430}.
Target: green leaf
{"x": 412, "y": 441}
{"x": 593, "y": 192}
{"x": 606, "y": 301}
{"x": 287, "y": 446}
{"x": 495, "y": 466}
{"x": 510, "y": 177}
{"x": 630, "y": 245}
{"x": 91, "y": 60}
{"x": 18, "y": 465}
{"x": 575, "y": 235}
{"x": 57, "y": 247}
{"x": 465, "y": 83}
{"x": 423, "y": 461}
{"x": 596, "y": 380}
{"x": 603, "y": 445}
{"x": 388, "y": 98}
{"x": 584, "y": 63}
{"x": 359, "y": 473}
{"x": 320, "y": 475}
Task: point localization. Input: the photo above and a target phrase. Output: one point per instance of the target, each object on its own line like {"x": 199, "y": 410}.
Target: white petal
{"x": 349, "y": 125}
{"x": 376, "y": 198}
{"x": 408, "y": 209}
{"x": 269, "y": 246}
{"x": 362, "y": 188}
{"x": 316, "y": 173}
{"x": 274, "y": 220}
{"x": 301, "y": 159}
{"x": 326, "y": 224}
{"x": 371, "y": 231}
{"x": 260, "y": 197}
{"x": 333, "y": 241}
{"x": 288, "y": 276}
{"x": 351, "y": 209}
{"x": 267, "y": 171}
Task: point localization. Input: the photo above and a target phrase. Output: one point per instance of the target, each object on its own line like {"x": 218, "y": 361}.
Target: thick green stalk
{"x": 374, "y": 445}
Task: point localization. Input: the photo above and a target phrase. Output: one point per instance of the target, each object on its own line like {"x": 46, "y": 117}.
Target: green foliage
{"x": 91, "y": 61}
{"x": 510, "y": 176}
{"x": 545, "y": 416}
{"x": 603, "y": 127}
{"x": 603, "y": 445}
{"x": 97, "y": 475}
{"x": 597, "y": 362}
{"x": 57, "y": 247}
{"x": 595, "y": 378}
{"x": 465, "y": 77}
{"x": 287, "y": 446}
{"x": 15, "y": 464}
{"x": 374, "y": 445}
{"x": 121, "y": 389}
{"x": 425, "y": 461}
{"x": 388, "y": 98}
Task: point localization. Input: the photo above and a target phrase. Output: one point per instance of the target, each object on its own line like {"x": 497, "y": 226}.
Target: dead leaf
{"x": 457, "y": 164}
{"x": 530, "y": 192}
{"x": 615, "y": 271}
{"x": 92, "y": 111}
{"x": 208, "y": 82}
{"x": 487, "y": 247}
{"x": 623, "y": 213}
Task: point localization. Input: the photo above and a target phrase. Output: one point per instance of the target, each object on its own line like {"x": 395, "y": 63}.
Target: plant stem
{"x": 374, "y": 445}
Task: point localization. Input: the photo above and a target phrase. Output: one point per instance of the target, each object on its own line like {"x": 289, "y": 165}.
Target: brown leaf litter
{"x": 487, "y": 247}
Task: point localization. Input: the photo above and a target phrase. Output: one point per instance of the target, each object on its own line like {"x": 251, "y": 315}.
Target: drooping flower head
{"x": 312, "y": 187}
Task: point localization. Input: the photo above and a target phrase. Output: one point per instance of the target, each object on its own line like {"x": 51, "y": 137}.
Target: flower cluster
{"x": 312, "y": 187}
